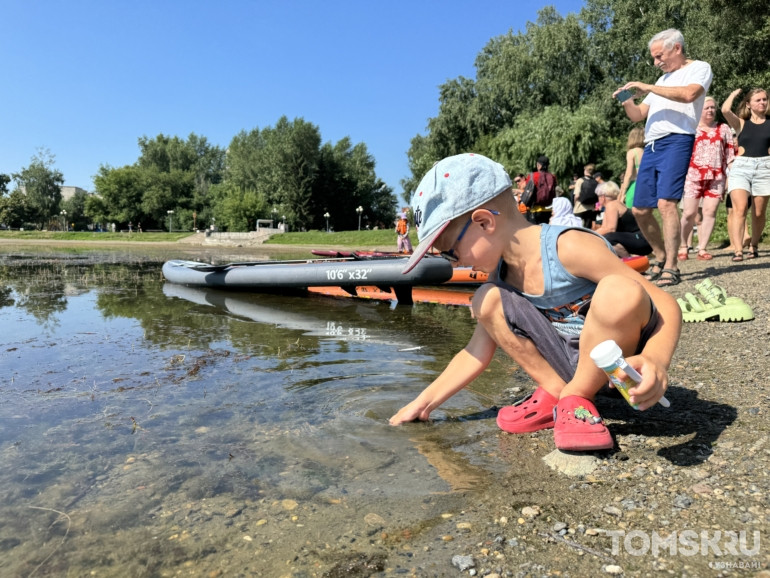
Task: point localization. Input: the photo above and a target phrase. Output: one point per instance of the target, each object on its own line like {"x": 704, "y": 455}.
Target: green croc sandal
{"x": 715, "y": 295}
{"x": 695, "y": 310}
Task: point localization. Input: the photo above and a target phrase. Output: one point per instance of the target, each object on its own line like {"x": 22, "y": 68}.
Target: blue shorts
{"x": 663, "y": 170}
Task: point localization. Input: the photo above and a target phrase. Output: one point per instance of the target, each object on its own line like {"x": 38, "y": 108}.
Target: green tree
{"x": 243, "y": 159}
{"x": 95, "y": 210}
{"x": 170, "y": 174}
{"x": 182, "y": 170}
{"x": 75, "y": 207}
{"x": 121, "y": 191}
{"x": 237, "y": 209}
{"x": 41, "y": 182}
{"x": 279, "y": 164}
{"x": 421, "y": 157}
{"x": 548, "y": 89}
{"x": 177, "y": 175}
{"x": 14, "y": 210}
{"x": 583, "y": 135}
{"x": 714, "y": 30}
{"x": 347, "y": 180}
{"x": 550, "y": 64}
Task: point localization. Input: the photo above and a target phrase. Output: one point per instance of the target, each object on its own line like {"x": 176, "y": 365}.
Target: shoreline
{"x": 262, "y": 247}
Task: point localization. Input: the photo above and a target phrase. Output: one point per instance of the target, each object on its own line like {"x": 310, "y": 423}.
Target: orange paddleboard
{"x": 418, "y": 294}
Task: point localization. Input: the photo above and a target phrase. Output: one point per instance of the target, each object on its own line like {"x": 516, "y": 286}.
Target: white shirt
{"x": 666, "y": 116}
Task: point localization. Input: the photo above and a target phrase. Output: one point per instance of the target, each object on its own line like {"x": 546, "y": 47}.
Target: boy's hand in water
{"x": 411, "y": 412}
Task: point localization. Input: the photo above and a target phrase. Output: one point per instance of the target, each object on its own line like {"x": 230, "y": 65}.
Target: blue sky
{"x": 86, "y": 79}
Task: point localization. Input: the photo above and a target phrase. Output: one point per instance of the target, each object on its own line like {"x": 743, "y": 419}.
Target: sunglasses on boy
{"x": 449, "y": 254}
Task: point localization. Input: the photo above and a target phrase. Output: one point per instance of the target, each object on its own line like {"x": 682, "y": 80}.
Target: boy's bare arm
{"x": 464, "y": 368}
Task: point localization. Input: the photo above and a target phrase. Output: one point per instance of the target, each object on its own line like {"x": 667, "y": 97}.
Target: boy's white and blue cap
{"x": 452, "y": 187}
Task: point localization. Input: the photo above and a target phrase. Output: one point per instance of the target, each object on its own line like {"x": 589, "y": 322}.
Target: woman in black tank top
{"x": 750, "y": 172}
{"x": 619, "y": 226}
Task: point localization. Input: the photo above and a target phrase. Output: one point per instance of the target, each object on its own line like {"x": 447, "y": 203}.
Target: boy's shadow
{"x": 688, "y": 414}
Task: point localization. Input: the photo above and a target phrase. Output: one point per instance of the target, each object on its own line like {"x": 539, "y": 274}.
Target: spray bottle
{"x": 609, "y": 357}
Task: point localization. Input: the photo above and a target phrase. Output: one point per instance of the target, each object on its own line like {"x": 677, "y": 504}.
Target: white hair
{"x": 669, "y": 38}
{"x": 608, "y": 189}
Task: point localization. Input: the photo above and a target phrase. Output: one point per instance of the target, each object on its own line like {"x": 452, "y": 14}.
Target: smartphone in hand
{"x": 624, "y": 95}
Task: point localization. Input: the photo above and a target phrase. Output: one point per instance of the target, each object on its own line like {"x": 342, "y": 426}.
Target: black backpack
{"x": 587, "y": 194}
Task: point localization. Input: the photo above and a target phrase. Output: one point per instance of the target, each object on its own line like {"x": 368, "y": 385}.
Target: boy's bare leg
{"x": 609, "y": 318}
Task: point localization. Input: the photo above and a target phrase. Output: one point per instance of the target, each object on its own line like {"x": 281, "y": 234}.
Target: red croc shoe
{"x": 579, "y": 427}
{"x": 533, "y": 413}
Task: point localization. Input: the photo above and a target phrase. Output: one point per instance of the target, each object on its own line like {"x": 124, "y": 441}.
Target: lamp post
{"x": 326, "y": 216}
{"x": 64, "y": 219}
{"x": 170, "y": 214}
{"x": 274, "y": 212}
{"x": 359, "y": 210}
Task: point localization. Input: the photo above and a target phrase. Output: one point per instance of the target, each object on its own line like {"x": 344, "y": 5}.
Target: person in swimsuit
{"x": 619, "y": 226}
{"x": 750, "y": 171}
{"x": 634, "y": 152}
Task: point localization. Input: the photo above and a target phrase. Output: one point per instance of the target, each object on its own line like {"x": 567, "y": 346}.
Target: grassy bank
{"x": 380, "y": 238}
{"x": 356, "y": 239}
{"x": 95, "y": 237}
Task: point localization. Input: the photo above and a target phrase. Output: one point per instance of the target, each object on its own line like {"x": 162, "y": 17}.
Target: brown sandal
{"x": 738, "y": 256}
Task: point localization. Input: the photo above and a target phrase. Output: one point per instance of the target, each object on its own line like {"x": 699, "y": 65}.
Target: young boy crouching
{"x": 554, "y": 293}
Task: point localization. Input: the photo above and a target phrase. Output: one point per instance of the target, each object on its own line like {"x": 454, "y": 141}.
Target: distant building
{"x": 68, "y": 192}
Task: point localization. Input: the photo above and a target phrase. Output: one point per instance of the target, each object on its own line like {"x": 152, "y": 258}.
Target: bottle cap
{"x": 606, "y": 353}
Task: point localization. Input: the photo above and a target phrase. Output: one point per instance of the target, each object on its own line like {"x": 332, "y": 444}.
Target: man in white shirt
{"x": 672, "y": 108}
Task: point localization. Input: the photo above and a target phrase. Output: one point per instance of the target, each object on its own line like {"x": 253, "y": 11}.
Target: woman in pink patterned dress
{"x": 712, "y": 153}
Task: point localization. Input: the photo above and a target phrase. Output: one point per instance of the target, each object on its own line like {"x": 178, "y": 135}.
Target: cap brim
{"x": 423, "y": 248}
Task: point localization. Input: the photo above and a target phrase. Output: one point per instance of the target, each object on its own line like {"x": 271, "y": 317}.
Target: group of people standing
{"x": 682, "y": 157}
{"x": 689, "y": 157}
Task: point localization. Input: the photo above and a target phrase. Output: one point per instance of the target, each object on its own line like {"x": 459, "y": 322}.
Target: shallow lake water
{"x": 151, "y": 429}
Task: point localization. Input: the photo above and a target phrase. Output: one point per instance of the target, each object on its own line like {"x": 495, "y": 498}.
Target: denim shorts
{"x": 750, "y": 174}
{"x": 663, "y": 170}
